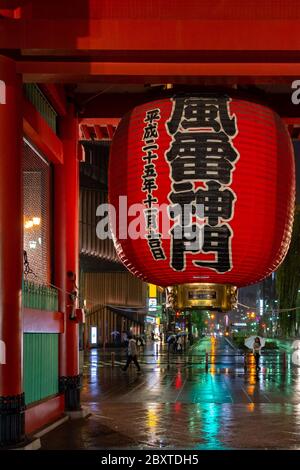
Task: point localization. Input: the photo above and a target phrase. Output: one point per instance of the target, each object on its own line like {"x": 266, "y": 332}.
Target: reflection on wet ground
{"x": 181, "y": 405}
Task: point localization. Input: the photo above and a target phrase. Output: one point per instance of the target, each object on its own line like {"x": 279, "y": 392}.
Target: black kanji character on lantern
{"x": 183, "y": 213}
{"x": 182, "y": 207}
{"x": 158, "y": 253}
{"x": 201, "y": 156}
{"x": 210, "y": 144}
{"x": 150, "y": 156}
{"x": 217, "y": 203}
{"x": 149, "y": 171}
{"x": 150, "y": 200}
{"x": 217, "y": 240}
{"x": 150, "y": 132}
{"x": 154, "y": 243}
{"x": 151, "y": 217}
{"x": 183, "y": 186}
{"x": 149, "y": 185}
{"x": 152, "y": 115}
{"x": 207, "y": 113}
{"x": 184, "y": 239}
{"x": 182, "y": 199}
{"x": 205, "y": 168}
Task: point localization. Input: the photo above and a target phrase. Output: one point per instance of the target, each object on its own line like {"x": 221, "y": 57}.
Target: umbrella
{"x": 249, "y": 341}
{"x": 170, "y": 337}
{"x": 296, "y": 344}
{"x": 296, "y": 357}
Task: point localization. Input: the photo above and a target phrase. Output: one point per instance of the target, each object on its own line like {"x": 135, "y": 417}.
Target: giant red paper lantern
{"x": 232, "y": 157}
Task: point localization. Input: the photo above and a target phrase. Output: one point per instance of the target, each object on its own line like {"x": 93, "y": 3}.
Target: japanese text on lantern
{"x": 150, "y": 136}
{"x": 202, "y": 151}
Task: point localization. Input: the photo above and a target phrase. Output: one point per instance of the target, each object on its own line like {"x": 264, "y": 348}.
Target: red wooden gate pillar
{"x": 12, "y": 403}
{"x": 67, "y": 258}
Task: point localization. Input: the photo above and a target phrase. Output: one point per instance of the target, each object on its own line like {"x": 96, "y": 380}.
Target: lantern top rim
{"x": 252, "y": 96}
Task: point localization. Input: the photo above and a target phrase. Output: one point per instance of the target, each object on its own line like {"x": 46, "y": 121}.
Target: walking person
{"x": 257, "y": 351}
{"x": 140, "y": 344}
{"x": 132, "y": 353}
{"x": 171, "y": 341}
{"x": 179, "y": 344}
{"x": 124, "y": 338}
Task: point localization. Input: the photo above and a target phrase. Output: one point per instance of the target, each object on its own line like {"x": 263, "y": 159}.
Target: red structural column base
{"x": 12, "y": 403}
{"x": 71, "y": 386}
{"x": 12, "y": 420}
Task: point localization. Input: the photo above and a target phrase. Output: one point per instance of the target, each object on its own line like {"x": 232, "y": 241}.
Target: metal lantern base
{"x": 203, "y": 296}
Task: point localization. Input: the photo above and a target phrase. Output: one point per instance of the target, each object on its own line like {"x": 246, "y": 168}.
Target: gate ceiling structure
{"x": 112, "y": 55}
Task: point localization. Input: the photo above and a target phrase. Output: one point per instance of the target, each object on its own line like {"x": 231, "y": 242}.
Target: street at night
{"x": 183, "y": 406}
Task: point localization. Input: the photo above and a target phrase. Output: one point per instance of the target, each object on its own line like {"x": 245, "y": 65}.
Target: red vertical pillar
{"x": 67, "y": 258}
{"x": 60, "y": 250}
{"x": 11, "y": 256}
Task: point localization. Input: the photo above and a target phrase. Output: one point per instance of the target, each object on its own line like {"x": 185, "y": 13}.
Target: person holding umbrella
{"x": 172, "y": 342}
{"x": 255, "y": 343}
{"x": 179, "y": 344}
{"x": 257, "y": 351}
{"x": 295, "y": 355}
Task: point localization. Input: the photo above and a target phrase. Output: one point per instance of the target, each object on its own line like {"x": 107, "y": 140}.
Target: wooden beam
{"x": 111, "y": 130}
{"x": 95, "y": 132}
{"x": 292, "y": 121}
{"x": 12, "y": 4}
{"x": 86, "y": 131}
{"x": 99, "y": 132}
{"x": 125, "y": 72}
{"x": 39, "y": 414}
{"x": 152, "y": 33}
{"x": 41, "y": 321}
{"x": 100, "y": 121}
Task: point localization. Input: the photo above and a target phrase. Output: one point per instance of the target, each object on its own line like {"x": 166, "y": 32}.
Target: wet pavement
{"x": 178, "y": 403}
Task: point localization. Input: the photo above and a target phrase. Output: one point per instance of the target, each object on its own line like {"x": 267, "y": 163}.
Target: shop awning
{"x": 136, "y": 314}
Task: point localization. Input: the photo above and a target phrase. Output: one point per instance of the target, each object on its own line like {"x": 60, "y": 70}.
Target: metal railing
{"x": 42, "y": 105}
{"x": 39, "y": 296}
{"x": 239, "y": 359}
{"x": 245, "y": 359}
